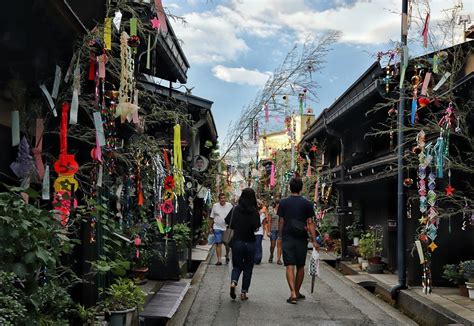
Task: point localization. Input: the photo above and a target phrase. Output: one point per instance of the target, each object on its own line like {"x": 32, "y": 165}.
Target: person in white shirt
{"x": 218, "y": 214}
{"x": 259, "y": 233}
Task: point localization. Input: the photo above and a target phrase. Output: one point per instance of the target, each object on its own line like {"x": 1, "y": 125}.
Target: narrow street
{"x": 335, "y": 301}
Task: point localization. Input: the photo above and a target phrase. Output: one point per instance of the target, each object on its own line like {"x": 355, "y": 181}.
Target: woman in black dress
{"x": 245, "y": 221}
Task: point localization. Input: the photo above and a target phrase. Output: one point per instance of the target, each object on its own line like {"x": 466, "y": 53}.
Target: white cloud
{"x": 241, "y": 75}
{"x": 223, "y": 33}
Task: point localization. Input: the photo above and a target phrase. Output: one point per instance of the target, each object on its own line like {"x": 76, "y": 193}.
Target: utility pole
{"x": 400, "y": 190}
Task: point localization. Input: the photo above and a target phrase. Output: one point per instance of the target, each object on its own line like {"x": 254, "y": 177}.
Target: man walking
{"x": 218, "y": 214}
{"x": 296, "y": 220}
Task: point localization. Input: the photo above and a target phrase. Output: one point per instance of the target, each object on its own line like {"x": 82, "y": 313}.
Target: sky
{"x": 233, "y": 46}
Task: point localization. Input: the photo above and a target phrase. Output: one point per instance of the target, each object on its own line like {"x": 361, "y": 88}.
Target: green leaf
{"x": 30, "y": 257}
{"x": 19, "y": 269}
{"x": 43, "y": 255}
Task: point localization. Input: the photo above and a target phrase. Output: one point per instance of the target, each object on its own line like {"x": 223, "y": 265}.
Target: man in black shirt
{"x": 296, "y": 219}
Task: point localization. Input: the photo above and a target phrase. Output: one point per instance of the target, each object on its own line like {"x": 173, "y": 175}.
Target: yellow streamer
{"x": 108, "y": 33}
{"x": 178, "y": 161}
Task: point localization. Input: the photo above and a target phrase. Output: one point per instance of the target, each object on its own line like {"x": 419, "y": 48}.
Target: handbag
{"x": 297, "y": 228}
{"x": 228, "y": 233}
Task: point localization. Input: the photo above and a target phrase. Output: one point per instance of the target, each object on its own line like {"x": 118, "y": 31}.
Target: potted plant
{"x": 467, "y": 269}
{"x": 453, "y": 273}
{"x": 204, "y": 232}
{"x": 122, "y": 299}
{"x": 354, "y": 231}
{"x": 140, "y": 266}
{"x": 370, "y": 247}
{"x": 181, "y": 235}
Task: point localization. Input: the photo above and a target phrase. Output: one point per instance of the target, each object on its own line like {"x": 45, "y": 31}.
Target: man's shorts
{"x": 294, "y": 252}
{"x": 218, "y": 236}
{"x": 274, "y": 235}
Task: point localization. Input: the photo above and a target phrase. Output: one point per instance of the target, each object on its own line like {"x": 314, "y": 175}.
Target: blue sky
{"x": 233, "y": 45}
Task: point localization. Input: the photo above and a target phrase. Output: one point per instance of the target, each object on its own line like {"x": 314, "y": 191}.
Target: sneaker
{"x": 233, "y": 285}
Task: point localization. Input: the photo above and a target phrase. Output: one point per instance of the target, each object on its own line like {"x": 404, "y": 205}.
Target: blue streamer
{"x": 413, "y": 111}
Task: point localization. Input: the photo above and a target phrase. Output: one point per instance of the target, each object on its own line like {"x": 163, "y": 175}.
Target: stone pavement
{"x": 335, "y": 301}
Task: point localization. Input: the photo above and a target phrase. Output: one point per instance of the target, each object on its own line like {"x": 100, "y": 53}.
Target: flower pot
{"x": 470, "y": 288}
{"x": 463, "y": 290}
{"x": 121, "y": 318}
{"x": 356, "y": 241}
{"x": 139, "y": 273}
{"x": 364, "y": 264}
{"x": 375, "y": 268}
{"x": 377, "y": 260}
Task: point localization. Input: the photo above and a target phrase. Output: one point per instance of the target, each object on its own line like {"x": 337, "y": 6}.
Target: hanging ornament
{"x": 415, "y": 81}
{"x": 125, "y": 107}
{"x": 66, "y": 166}
{"x": 301, "y": 98}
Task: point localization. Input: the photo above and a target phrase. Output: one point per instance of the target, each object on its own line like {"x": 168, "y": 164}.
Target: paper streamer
{"x": 442, "y": 81}
{"x": 419, "y": 249}
{"x": 133, "y": 26}
{"x": 49, "y": 99}
{"x": 39, "y": 147}
{"x": 424, "y": 33}
{"x": 272, "y": 176}
{"x": 100, "y": 175}
{"x": 108, "y": 33}
{"x": 267, "y": 113}
{"x": 102, "y": 60}
{"x": 69, "y": 69}
{"x": 426, "y": 83}
{"x": 45, "y": 195}
{"x": 148, "y": 52}
{"x": 404, "y": 65}
{"x": 135, "y": 117}
{"x": 413, "y": 111}
{"x": 74, "y": 108}
{"x": 436, "y": 61}
{"x": 15, "y": 128}
{"x": 99, "y": 128}
{"x": 57, "y": 82}
{"x": 117, "y": 20}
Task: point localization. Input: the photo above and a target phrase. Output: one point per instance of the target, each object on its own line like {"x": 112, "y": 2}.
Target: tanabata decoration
{"x": 169, "y": 183}
{"x": 415, "y": 81}
{"x": 66, "y": 166}
{"x": 272, "y": 176}
{"x": 167, "y": 206}
{"x": 23, "y": 166}
{"x": 125, "y": 107}
{"x": 178, "y": 161}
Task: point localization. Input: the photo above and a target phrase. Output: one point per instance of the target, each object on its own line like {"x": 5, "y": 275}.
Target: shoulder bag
{"x": 229, "y": 233}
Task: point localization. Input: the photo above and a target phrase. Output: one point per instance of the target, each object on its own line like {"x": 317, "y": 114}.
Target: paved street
{"x": 335, "y": 300}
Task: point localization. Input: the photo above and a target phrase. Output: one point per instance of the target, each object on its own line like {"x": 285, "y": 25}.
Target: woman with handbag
{"x": 243, "y": 220}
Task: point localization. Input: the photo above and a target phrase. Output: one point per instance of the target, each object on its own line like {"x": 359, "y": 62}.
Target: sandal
{"x": 300, "y": 297}
{"x": 232, "y": 290}
{"x": 243, "y": 297}
{"x": 279, "y": 262}
{"x": 292, "y": 300}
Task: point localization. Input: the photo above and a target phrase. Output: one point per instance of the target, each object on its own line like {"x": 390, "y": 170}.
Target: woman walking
{"x": 260, "y": 232}
{"x": 245, "y": 221}
{"x": 273, "y": 234}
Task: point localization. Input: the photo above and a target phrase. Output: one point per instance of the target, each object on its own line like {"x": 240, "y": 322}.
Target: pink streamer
{"x": 102, "y": 59}
{"x": 160, "y": 12}
{"x": 425, "y": 30}
{"x": 308, "y": 173}
{"x": 426, "y": 83}
{"x": 272, "y": 176}
{"x": 39, "y": 148}
{"x": 267, "y": 113}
